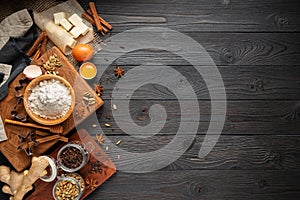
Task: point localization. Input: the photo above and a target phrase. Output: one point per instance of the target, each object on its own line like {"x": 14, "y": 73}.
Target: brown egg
{"x": 82, "y": 52}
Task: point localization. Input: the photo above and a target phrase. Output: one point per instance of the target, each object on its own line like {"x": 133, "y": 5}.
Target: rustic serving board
{"x": 19, "y": 159}
{"x": 43, "y": 190}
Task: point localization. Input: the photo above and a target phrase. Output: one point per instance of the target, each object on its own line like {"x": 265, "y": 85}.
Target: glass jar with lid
{"x": 72, "y": 156}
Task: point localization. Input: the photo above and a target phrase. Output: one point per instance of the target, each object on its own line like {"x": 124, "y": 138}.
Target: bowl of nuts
{"x": 66, "y": 188}
{"x": 49, "y": 99}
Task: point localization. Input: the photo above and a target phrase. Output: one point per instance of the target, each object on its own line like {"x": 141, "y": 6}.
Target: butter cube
{"x": 83, "y": 28}
{"x": 75, "y": 19}
{"x": 66, "y": 24}
{"x": 76, "y": 31}
{"x": 58, "y": 17}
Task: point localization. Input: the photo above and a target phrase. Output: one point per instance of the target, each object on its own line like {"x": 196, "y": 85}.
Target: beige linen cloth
{"x": 15, "y": 25}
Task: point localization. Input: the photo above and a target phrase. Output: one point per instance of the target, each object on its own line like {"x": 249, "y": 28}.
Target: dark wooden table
{"x": 256, "y": 46}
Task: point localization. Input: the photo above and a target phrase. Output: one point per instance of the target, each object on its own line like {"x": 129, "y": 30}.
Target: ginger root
{"x": 18, "y": 184}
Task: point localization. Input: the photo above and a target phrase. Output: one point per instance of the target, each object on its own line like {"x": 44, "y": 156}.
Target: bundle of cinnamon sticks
{"x": 93, "y": 17}
{"x": 39, "y": 47}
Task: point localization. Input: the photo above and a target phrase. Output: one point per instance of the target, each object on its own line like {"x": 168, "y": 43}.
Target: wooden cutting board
{"x": 43, "y": 190}
{"x": 19, "y": 159}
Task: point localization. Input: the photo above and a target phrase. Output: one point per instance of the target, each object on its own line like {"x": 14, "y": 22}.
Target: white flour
{"x": 50, "y": 99}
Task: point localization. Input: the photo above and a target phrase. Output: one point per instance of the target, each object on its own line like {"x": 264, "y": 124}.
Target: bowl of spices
{"x": 67, "y": 188}
{"x": 72, "y": 157}
{"x": 78, "y": 178}
{"x": 49, "y": 99}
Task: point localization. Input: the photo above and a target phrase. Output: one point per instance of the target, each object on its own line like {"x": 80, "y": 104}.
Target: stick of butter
{"x": 75, "y": 19}
{"x": 80, "y": 27}
{"x": 66, "y": 24}
{"x": 58, "y": 17}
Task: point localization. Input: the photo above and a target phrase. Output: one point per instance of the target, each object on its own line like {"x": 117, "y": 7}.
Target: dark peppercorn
{"x": 71, "y": 157}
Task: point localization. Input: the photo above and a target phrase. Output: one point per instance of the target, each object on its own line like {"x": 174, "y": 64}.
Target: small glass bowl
{"x": 51, "y": 170}
{"x": 79, "y": 179}
{"x": 66, "y": 188}
{"x": 88, "y": 70}
{"x": 65, "y": 159}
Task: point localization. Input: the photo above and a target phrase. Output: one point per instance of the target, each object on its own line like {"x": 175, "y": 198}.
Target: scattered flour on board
{"x": 50, "y": 99}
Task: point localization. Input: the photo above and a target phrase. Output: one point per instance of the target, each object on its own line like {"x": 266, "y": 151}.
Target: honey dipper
{"x": 52, "y": 129}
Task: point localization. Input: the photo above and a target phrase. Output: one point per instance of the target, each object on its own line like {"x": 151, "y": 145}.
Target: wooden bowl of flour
{"x": 49, "y": 99}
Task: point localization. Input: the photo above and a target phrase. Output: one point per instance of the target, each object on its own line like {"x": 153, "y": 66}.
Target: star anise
{"x": 119, "y": 72}
{"x": 100, "y": 139}
{"x": 98, "y": 89}
{"x": 92, "y": 184}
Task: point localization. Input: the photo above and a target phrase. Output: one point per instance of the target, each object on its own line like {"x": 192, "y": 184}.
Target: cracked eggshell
{"x": 32, "y": 71}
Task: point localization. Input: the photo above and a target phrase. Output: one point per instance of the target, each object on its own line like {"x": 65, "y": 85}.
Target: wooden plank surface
{"x": 225, "y": 48}
{"x": 241, "y": 82}
{"x": 243, "y": 117}
{"x": 255, "y": 45}
{"x": 259, "y": 152}
{"x": 202, "y": 15}
{"x": 205, "y": 184}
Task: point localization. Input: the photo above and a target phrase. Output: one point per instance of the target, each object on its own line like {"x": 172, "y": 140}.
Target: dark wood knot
{"x": 262, "y": 183}
{"x": 278, "y": 20}
{"x": 258, "y": 85}
{"x": 145, "y": 110}
{"x": 293, "y": 114}
{"x": 227, "y": 56}
{"x": 278, "y": 160}
{"x": 196, "y": 188}
{"x": 281, "y": 20}
{"x": 143, "y": 115}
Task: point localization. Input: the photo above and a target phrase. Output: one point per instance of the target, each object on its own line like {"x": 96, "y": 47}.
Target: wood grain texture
{"x": 211, "y": 16}
{"x": 242, "y": 117}
{"x": 267, "y": 152}
{"x": 226, "y": 15}
{"x": 241, "y": 82}
{"x": 224, "y": 48}
{"x": 203, "y": 184}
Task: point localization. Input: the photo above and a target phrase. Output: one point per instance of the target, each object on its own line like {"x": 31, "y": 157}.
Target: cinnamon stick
{"x": 36, "y": 44}
{"x": 44, "y": 45}
{"x": 44, "y": 140}
{"x": 103, "y": 22}
{"x": 95, "y": 16}
{"x": 36, "y": 55}
{"x": 44, "y": 134}
{"x": 47, "y": 139}
{"x": 91, "y": 20}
